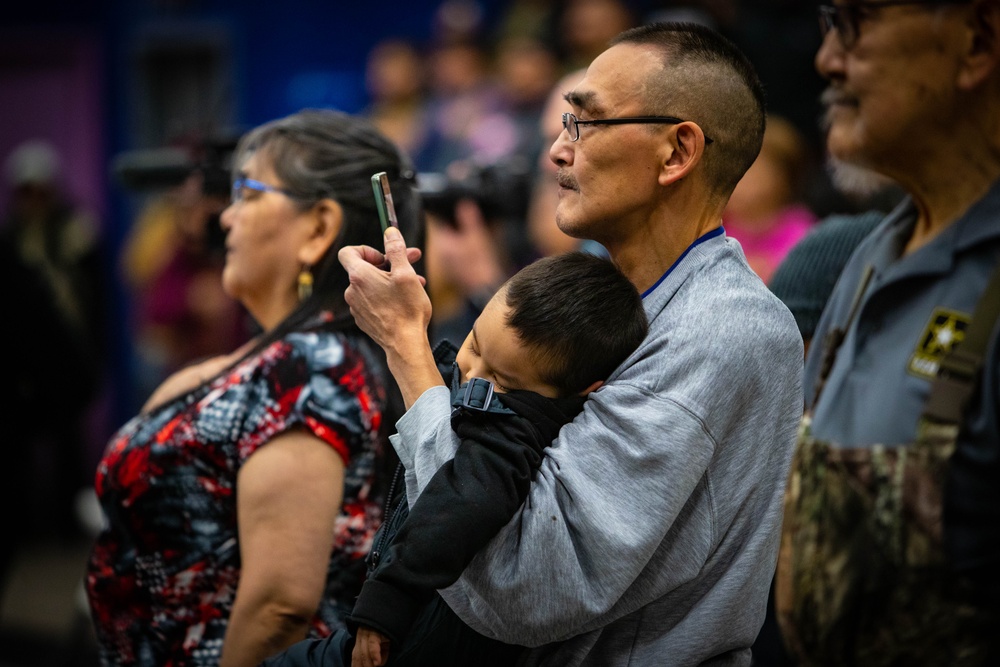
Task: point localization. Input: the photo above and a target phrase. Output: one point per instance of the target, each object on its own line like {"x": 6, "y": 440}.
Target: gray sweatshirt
{"x": 650, "y": 533}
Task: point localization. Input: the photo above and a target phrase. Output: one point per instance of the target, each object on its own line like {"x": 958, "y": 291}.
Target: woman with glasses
{"x": 241, "y": 501}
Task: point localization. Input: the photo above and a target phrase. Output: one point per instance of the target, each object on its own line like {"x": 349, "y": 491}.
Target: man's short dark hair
{"x": 579, "y": 314}
{"x": 708, "y": 80}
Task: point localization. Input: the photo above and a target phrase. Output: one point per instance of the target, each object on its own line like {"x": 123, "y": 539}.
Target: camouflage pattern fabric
{"x": 862, "y": 578}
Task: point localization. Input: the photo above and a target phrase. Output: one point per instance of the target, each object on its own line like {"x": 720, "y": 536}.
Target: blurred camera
{"x": 153, "y": 169}
{"x": 162, "y": 168}
{"x": 501, "y": 190}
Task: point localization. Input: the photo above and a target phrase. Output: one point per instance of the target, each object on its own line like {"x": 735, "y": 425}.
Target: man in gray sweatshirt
{"x": 649, "y": 536}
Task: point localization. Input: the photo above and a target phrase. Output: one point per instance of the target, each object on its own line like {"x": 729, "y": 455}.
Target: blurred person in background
{"x": 466, "y": 264}
{"x": 891, "y": 538}
{"x": 533, "y": 19}
{"x": 241, "y": 501}
{"x": 53, "y": 260}
{"x": 766, "y": 213}
{"x": 465, "y": 119}
{"x": 525, "y": 70}
{"x": 396, "y": 80}
{"x": 172, "y": 264}
{"x": 585, "y": 27}
{"x": 544, "y": 234}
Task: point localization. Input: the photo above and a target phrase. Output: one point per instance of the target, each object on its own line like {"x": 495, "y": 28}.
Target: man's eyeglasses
{"x": 241, "y": 185}
{"x": 572, "y": 123}
{"x": 847, "y": 17}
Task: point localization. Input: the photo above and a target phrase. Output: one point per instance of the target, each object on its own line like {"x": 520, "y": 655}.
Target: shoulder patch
{"x": 945, "y": 329}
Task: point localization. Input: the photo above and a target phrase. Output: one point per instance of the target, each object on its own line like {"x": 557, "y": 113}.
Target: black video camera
{"x": 153, "y": 169}
{"x": 162, "y": 168}
{"x": 501, "y": 190}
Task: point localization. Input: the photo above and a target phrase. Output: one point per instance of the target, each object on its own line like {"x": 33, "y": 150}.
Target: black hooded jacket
{"x": 468, "y": 500}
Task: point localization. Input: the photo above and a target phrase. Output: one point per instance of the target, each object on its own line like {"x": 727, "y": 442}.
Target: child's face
{"x": 492, "y": 351}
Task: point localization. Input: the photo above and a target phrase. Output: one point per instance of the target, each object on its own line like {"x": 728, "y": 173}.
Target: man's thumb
{"x": 395, "y": 247}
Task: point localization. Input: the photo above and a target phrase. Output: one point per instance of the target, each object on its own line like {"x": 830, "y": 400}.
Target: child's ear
{"x": 591, "y": 388}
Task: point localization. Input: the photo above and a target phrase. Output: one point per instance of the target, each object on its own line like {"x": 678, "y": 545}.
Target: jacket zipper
{"x": 376, "y": 554}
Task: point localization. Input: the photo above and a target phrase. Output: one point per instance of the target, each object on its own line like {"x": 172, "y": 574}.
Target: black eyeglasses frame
{"x": 574, "y": 134}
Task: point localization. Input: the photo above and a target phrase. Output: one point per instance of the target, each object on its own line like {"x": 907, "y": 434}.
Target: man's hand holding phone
{"x": 386, "y": 303}
{"x": 393, "y": 308}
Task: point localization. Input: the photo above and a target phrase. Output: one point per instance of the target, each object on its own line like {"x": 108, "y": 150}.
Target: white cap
{"x": 34, "y": 161}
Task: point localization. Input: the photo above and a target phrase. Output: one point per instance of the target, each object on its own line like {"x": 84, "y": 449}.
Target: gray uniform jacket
{"x": 650, "y": 533}
{"x": 913, "y": 310}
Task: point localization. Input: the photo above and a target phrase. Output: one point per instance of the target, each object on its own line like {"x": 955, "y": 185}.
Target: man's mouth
{"x": 834, "y": 102}
{"x": 835, "y": 97}
{"x": 565, "y": 181}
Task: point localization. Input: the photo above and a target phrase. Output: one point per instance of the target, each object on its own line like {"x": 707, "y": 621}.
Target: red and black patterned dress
{"x": 163, "y": 574}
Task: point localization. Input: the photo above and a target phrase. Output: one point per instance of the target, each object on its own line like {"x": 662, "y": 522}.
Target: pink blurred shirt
{"x": 765, "y": 249}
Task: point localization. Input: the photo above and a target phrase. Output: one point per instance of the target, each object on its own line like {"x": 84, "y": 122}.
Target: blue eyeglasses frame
{"x": 251, "y": 184}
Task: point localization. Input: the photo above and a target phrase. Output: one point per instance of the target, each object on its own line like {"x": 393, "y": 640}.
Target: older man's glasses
{"x": 846, "y": 18}
{"x": 572, "y": 123}
{"x": 243, "y": 186}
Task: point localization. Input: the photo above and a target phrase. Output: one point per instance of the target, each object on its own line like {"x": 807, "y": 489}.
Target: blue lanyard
{"x": 718, "y": 231}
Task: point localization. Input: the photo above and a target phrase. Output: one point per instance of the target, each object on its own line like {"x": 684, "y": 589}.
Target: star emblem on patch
{"x": 944, "y": 330}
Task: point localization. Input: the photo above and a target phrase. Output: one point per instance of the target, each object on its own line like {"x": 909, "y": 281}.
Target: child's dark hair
{"x": 579, "y": 313}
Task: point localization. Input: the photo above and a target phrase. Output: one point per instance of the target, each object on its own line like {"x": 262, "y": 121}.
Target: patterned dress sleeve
{"x": 314, "y": 381}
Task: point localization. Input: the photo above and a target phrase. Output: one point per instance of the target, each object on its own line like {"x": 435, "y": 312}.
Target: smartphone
{"x": 383, "y": 201}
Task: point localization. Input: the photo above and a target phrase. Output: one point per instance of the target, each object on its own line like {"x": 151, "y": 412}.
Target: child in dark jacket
{"x": 551, "y": 335}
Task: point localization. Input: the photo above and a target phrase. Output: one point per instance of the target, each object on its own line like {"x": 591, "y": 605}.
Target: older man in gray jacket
{"x": 650, "y": 533}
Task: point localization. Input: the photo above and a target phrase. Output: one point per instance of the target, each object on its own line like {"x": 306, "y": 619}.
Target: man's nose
{"x": 829, "y": 61}
{"x": 561, "y": 151}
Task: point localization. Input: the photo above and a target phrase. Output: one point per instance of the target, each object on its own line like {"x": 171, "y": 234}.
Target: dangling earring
{"x": 305, "y": 283}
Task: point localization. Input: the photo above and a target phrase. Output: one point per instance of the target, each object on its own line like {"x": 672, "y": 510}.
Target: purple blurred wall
{"x": 51, "y": 87}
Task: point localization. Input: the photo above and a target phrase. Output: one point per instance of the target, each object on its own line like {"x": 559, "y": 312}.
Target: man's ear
{"x": 983, "y": 52}
{"x": 683, "y": 152}
{"x": 326, "y": 220}
{"x": 591, "y": 388}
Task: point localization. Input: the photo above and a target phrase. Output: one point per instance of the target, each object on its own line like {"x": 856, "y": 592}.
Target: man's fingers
{"x": 395, "y": 249}
{"x": 353, "y": 256}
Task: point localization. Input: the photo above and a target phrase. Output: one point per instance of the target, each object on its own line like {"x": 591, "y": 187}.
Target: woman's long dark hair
{"x": 320, "y": 154}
